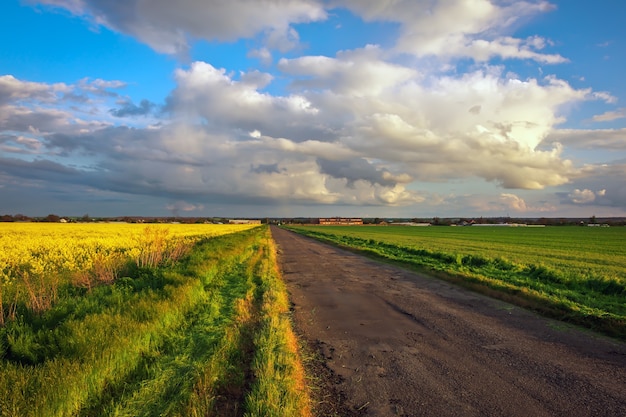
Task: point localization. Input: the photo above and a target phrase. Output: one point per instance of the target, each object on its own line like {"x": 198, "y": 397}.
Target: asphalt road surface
{"x": 397, "y": 343}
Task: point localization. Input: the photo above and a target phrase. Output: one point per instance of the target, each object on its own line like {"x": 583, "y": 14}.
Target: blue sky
{"x": 408, "y": 108}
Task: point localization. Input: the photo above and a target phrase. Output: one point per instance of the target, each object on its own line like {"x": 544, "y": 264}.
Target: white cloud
{"x": 13, "y": 90}
{"x": 604, "y": 96}
{"x": 210, "y": 93}
{"x": 366, "y": 132}
{"x": 517, "y": 204}
{"x": 356, "y": 129}
{"x": 514, "y": 202}
{"x": 427, "y": 129}
{"x": 459, "y": 28}
{"x": 609, "y": 116}
{"x": 364, "y": 127}
{"x": 263, "y": 54}
{"x": 582, "y": 196}
{"x": 359, "y": 72}
{"x": 478, "y": 29}
{"x": 169, "y": 26}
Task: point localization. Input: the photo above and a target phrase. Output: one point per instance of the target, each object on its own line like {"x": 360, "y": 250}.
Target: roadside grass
{"x": 279, "y": 388}
{"x": 206, "y": 336}
{"x": 584, "y": 285}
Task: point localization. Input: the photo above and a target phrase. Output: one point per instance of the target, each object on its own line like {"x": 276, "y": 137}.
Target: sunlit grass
{"x": 279, "y": 388}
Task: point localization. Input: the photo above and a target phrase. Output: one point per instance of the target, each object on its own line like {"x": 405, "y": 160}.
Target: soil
{"x": 390, "y": 342}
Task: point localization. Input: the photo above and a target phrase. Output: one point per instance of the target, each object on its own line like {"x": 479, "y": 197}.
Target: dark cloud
{"x": 144, "y": 108}
{"x": 266, "y": 169}
{"x": 41, "y": 169}
{"x": 475, "y": 109}
{"x": 354, "y": 170}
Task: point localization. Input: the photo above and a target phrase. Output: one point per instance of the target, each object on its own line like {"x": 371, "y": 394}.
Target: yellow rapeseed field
{"x": 36, "y": 257}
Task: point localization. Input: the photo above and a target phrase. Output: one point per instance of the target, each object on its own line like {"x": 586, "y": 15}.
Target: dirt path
{"x": 398, "y": 343}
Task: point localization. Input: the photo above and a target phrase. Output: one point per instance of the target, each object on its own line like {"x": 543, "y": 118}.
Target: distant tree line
{"x": 435, "y": 221}
{"x": 54, "y": 218}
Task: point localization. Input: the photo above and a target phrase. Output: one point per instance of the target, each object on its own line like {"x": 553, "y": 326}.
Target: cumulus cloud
{"x": 359, "y": 72}
{"x": 582, "y": 196}
{"x": 427, "y": 129}
{"x": 514, "y": 202}
{"x": 372, "y": 141}
{"x": 423, "y": 129}
{"x": 169, "y": 27}
{"x": 360, "y": 128}
{"x": 210, "y": 93}
{"x": 460, "y": 28}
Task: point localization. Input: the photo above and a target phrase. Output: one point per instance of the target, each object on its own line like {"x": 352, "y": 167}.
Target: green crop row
{"x": 572, "y": 273}
{"x": 180, "y": 340}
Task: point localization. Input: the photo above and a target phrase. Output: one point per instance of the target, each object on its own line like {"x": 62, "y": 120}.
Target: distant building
{"x": 339, "y": 221}
{"x": 501, "y": 224}
{"x": 244, "y": 221}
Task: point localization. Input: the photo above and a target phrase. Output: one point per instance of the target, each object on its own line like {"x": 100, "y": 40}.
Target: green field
{"x": 577, "y": 274}
{"x": 209, "y": 335}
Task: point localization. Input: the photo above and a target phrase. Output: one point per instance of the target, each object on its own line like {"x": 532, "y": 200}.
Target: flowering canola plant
{"x": 31, "y": 251}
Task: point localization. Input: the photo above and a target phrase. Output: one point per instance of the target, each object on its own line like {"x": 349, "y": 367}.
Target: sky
{"x": 313, "y": 108}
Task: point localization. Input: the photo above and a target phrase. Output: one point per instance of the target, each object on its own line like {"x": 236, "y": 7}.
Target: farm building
{"x": 336, "y": 221}
{"x": 244, "y": 221}
{"x": 500, "y": 224}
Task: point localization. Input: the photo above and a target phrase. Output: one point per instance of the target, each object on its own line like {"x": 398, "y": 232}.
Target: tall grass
{"x": 279, "y": 389}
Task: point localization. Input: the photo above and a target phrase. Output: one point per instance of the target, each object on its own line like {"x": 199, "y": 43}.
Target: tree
{"x": 52, "y": 218}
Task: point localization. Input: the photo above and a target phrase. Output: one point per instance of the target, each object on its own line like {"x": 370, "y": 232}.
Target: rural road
{"x": 397, "y": 343}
